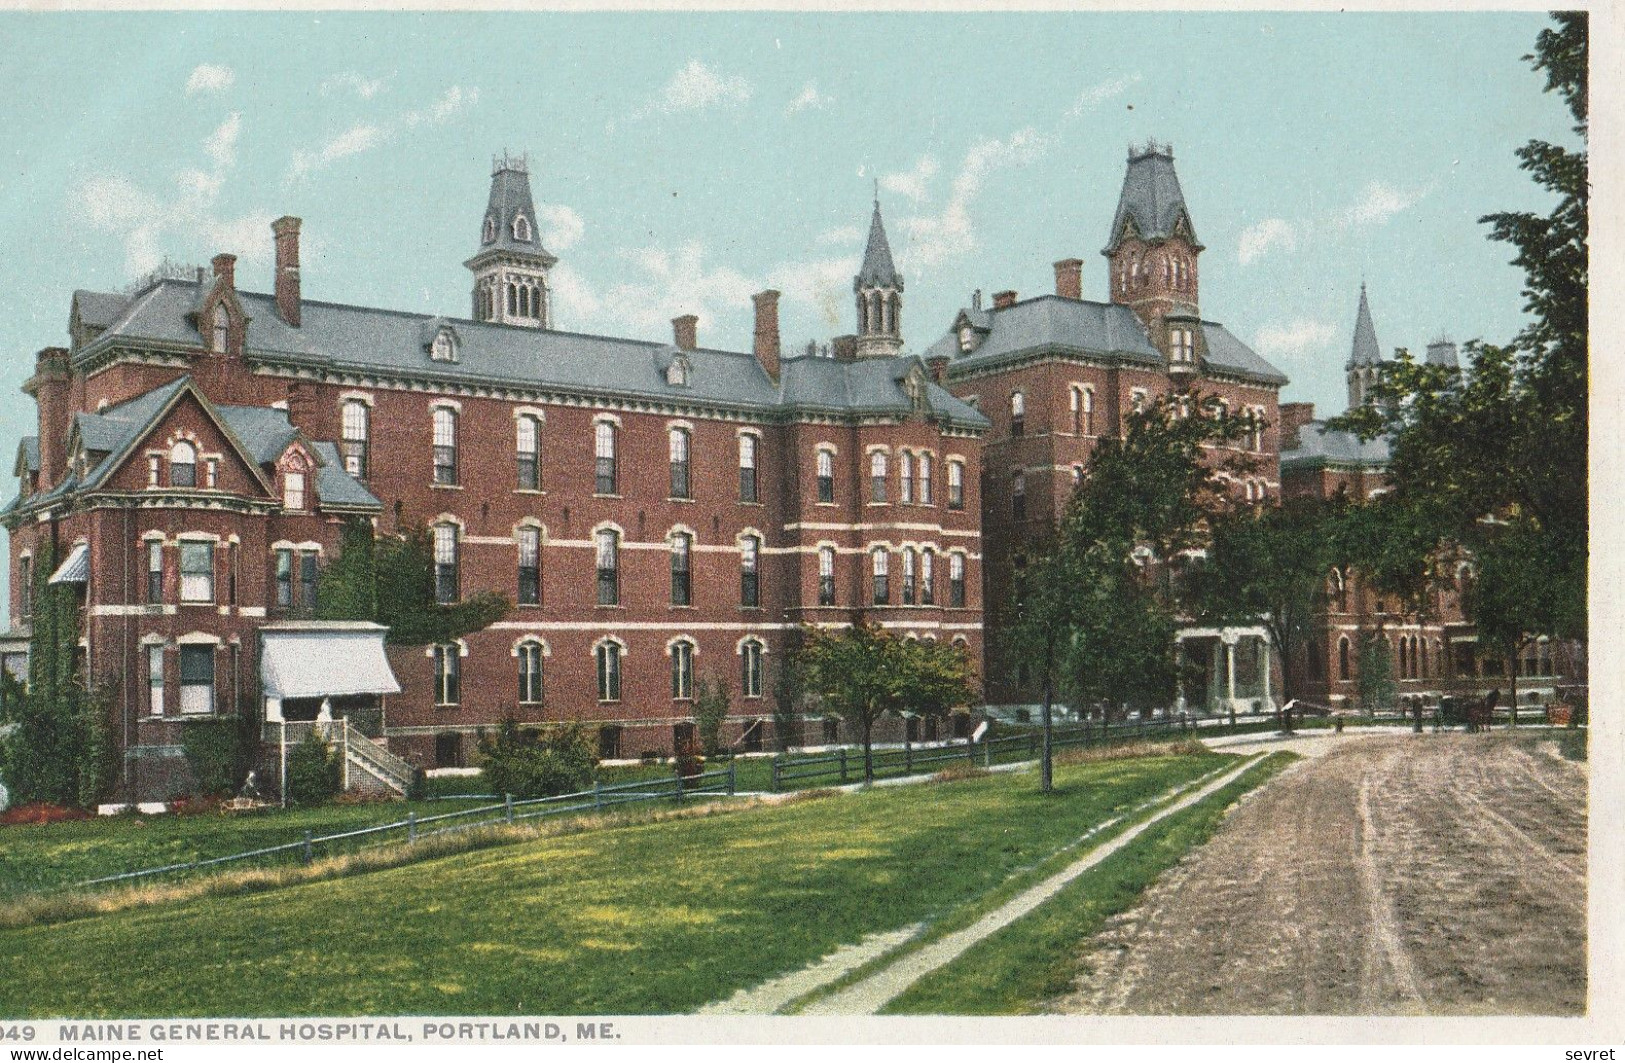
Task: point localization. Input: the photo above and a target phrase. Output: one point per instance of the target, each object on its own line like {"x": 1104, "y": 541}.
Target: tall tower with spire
{"x": 879, "y": 289}
{"x": 1152, "y": 254}
{"x": 1364, "y": 357}
{"x": 510, "y": 268}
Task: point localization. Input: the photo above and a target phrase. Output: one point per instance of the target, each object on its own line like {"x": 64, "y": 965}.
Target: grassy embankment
{"x": 654, "y": 917}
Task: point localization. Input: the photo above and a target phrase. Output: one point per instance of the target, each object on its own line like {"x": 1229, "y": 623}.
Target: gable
{"x": 188, "y": 420}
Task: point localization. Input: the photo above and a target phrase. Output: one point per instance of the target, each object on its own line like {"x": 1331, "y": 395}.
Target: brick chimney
{"x": 1294, "y": 415}
{"x": 767, "y": 331}
{"x": 225, "y": 268}
{"x": 302, "y": 406}
{"x": 685, "y": 331}
{"x": 845, "y": 348}
{"x": 1003, "y": 299}
{"x": 286, "y": 230}
{"x": 49, "y": 387}
{"x": 1069, "y": 278}
{"x": 938, "y": 367}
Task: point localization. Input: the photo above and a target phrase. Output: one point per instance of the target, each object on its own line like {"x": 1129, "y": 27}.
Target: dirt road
{"x": 1412, "y": 874}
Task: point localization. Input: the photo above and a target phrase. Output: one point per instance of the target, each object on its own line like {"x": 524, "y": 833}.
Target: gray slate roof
{"x": 510, "y": 198}
{"x": 1151, "y": 198}
{"x": 1365, "y": 350}
{"x": 335, "y": 487}
{"x": 877, "y": 271}
{"x": 99, "y": 309}
{"x": 337, "y": 336}
{"x": 28, "y": 454}
{"x": 1050, "y": 322}
{"x": 1319, "y": 446}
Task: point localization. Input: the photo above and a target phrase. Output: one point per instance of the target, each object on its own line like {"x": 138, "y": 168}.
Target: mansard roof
{"x": 1107, "y": 331}
{"x": 1320, "y": 446}
{"x": 340, "y": 338}
{"x": 1152, "y": 200}
{"x": 510, "y": 199}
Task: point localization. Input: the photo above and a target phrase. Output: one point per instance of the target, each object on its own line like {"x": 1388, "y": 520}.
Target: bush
{"x": 314, "y": 771}
{"x": 711, "y": 705}
{"x": 538, "y": 762}
{"x": 214, "y": 751}
{"x": 689, "y": 761}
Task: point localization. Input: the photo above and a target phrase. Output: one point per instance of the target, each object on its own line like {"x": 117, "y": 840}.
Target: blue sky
{"x": 682, "y": 162}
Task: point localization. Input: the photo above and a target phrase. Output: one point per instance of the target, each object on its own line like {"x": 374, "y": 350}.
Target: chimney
{"x": 976, "y": 299}
{"x": 767, "y": 331}
{"x": 301, "y": 406}
{"x": 1069, "y": 278}
{"x": 939, "y": 368}
{"x": 286, "y": 230}
{"x": 1003, "y": 299}
{"x": 49, "y": 387}
{"x": 225, "y": 268}
{"x": 846, "y": 348}
{"x": 1294, "y": 415}
{"x": 685, "y": 331}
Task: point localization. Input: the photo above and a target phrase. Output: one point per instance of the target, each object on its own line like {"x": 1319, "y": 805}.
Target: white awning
{"x": 320, "y": 660}
{"x": 76, "y": 569}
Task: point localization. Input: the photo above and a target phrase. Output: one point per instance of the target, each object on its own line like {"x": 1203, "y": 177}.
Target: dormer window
{"x": 1182, "y": 345}
{"x": 293, "y": 491}
{"x": 521, "y": 228}
{"x": 966, "y": 338}
{"x": 443, "y": 349}
{"x": 677, "y": 372}
{"x": 222, "y": 328}
{"x": 489, "y": 233}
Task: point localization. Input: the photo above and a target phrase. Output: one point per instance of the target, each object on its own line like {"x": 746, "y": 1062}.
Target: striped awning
{"x": 76, "y": 569}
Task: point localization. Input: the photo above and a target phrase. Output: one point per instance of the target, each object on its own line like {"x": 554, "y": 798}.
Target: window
{"x": 928, "y": 592}
{"x": 956, "y": 581}
{"x": 877, "y": 476}
{"x": 309, "y": 574}
{"x": 882, "y": 583}
{"x": 826, "y": 476}
{"x": 925, "y": 479}
{"x": 1342, "y": 658}
{"x": 1088, "y": 411}
{"x": 1137, "y": 400}
{"x": 682, "y": 670}
{"x": 609, "y": 563}
{"x": 908, "y": 576}
{"x": 826, "y": 575}
{"x": 956, "y": 485}
{"x": 211, "y": 473}
{"x": 609, "y": 671}
{"x": 231, "y": 573}
{"x": 1181, "y": 346}
{"x": 521, "y": 227}
{"x": 293, "y": 491}
{"x": 197, "y": 572}
{"x": 529, "y": 541}
{"x": 677, "y": 372}
{"x": 750, "y": 668}
{"x": 747, "y": 468}
{"x": 1076, "y": 399}
{"x": 965, "y": 337}
{"x": 1018, "y": 414}
{"x": 445, "y": 563}
{"x": 442, "y": 349}
{"x": 153, "y": 464}
{"x": 1077, "y": 477}
{"x": 355, "y": 437}
{"x": 604, "y": 449}
{"x": 155, "y": 573}
{"x": 1256, "y": 430}
{"x": 905, "y": 478}
{"x": 197, "y": 680}
{"x": 489, "y": 232}
{"x": 222, "y": 327}
{"x": 681, "y": 585}
{"x": 1018, "y": 496}
{"x": 183, "y": 465}
{"x": 528, "y": 448}
{"x": 155, "y": 680}
{"x": 679, "y": 441}
{"x": 445, "y": 446}
{"x": 530, "y": 673}
{"x": 750, "y": 549}
{"x": 448, "y": 671}
{"x": 284, "y": 578}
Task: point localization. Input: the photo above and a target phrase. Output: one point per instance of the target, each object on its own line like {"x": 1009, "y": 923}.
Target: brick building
{"x": 657, "y": 512}
{"x": 1056, "y": 372}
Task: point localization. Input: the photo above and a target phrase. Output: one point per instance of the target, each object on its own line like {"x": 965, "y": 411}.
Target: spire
{"x": 878, "y": 270}
{"x": 1151, "y": 199}
{"x": 1365, "y": 351}
{"x": 510, "y": 267}
{"x": 510, "y": 223}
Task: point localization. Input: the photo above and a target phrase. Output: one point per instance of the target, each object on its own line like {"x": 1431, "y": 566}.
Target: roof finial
{"x": 877, "y": 193}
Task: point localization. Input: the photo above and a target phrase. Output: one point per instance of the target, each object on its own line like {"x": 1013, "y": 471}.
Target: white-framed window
{"x": 155, "y": 572}
{"x": 529, "y": 541}
{"x": 965, "y": 337}
{"x": 197, "y": 680}
{"x": 928, "y": 589}
{"x": 956, "y": 581}
{"x": 750, "y": 590}
{"x": 925, "y": 480}
{"x": 1137, "y": 400}
{"x": 956, "y": 485}
{"x": 489, "y": 231}
{"x": 443, "y": 349}
{"x": 826, "y": 476}
{"x": 682, "y": 670}
{"x": 880, "y": 564}
{"x": 905, "y": 478}
{"x": 747, "y": 468}
{"x": 682, "y": 553}
{"x": 826, "y": 575}
{"x": 608, "y": 656}
{"x": 528, "y": 451}
{"x": 1018, "y": 413}
{"x": 445, "y": 445}
{"x": 183, "y": 465}
{"x": 155, "y": 680}
{"x": 521, "y": 227}
{"x": 678, "y": 444}
{"x": 909, "y": 575}
{"x": 448, "y": 673}
{"x": 877, "y": 476}
{"x": 677, "y": 372}
{"x": 293, "y": 491}
{"x": 604, "y": 470}
{"x": 609, "y": 567}
{"x": 750, "y": 668}
{"x": 197, "y": 572}
{"x": 222, "y": 327}
{"x": 445, "y": 563}
{"x": 355, "y": 437}
{"x": 530, "y": 673}
{"x": 1182, "y": 345}
{"x": 153, "y": 464}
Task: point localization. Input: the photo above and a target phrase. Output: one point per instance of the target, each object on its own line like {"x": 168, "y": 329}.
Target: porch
{"x": 1227, "y": 670}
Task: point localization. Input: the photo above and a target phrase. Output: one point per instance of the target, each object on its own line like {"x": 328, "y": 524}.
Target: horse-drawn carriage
{"x": 1475, "y": 714}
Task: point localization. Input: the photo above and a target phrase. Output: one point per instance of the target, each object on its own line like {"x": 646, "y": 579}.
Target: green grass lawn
{"x": 656, "y": 917}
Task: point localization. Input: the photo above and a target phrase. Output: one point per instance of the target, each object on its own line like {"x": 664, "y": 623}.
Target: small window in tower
{"x": 490, "y": 231}
{"x": 521, "y": 227}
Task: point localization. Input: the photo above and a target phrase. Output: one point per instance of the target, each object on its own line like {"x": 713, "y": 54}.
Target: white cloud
{"x": 698, "y": 87}
{"x": 667, "y": 282}
{"x": 352, "y": 141}
{"x": 222, "y": 143}
{"x": 350, "y": 81}
{"x": 825, "y": 285}
{"x": 209, "y": 77}
{"x": 561, "y": 226}
{"x": 1096, "y": 95}
{"x": 810, "y": 99}
{"x": 1301, "y": 336}
{"x": 1379, "y": 202}
{"x": 451, "y": 102}
{"x": 912, "y": 183}
{"x": 846, "y": 234}
{"x": 364, "y": 136}
{"x": 1258, "y": 240}
{"x": 950, "y": 233}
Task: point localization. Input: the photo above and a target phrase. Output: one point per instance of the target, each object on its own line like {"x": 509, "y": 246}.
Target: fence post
{"x": 842, "y": 753}
{"x": 597, "y": 796}
{"x": 308, "y": 853}
{"x": 730, "y": 778}
{"x": 507, "y": 802}
{"x": 987, "y": 751}
{"x": 908, "y": 754}
{"x": 412, "y": 827}
{"x": 773, "y": 782}
{"x": 677, "y": 769}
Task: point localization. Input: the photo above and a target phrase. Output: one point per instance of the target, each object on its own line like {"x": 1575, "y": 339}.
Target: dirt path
{"x": 1412, "y": 874}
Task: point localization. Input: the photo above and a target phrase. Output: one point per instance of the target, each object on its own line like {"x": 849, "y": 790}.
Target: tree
{"x": 391, "y": 581}
{"x": 538, "y": 762}
{"x": 711, "y": 704}
{"x": 863, "y": 672}
{"x": 1375, "y": 687}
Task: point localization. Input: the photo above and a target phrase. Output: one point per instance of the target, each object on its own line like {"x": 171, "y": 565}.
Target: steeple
{"x": 879, "y": 290}
{"x": 510, "y": 267}
{"x": 1152, "y": 251}
{"x": 1365, "y": 356}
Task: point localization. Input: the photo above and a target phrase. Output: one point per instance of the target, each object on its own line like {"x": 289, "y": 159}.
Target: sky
{"x": 682, "y": 162}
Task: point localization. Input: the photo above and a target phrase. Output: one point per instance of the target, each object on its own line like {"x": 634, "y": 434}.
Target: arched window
{"x": 222, "y": 327}
{"x": 445, "y": 563}
{"x": 1076, "y": 398}
{"x": 826, "y": 575}
{"x": 1018, "y": 414}
{"x": 909, "y": 576}
{"x": 529, "y": 541}
{"x": 747, "y": 468}
{"x": 609, "y": 671}
{"x": 826, "y": 476}
{"x": 1018, "y": 496}
{"x": 880, "y": 565}
{"x": 530, "y": 673}
{"x": 682, "y": 670}
{"x": 925, "y": 479}
{"x": 521, "y": 227}
{"x": 750, "y": 591}
{"x": 183, "y": 465}
{"x": 877, "y": 476}
{"x": 1404, "y": 658}
{"x": 1342, "y": 658}
{"x": 677, "y": 445}
{"x": 905, "y": 478}
{"x": 448, "y": 667}
{"x": 356, "y": 437}
{"x": 604, "y": 478}
{"x": 956, "y": 485}
{"x": 609, "y": 567}
{"x": 489, "y": 233}
{"x": 928, "y": 590}
{"x": 956, "y": 581}
{"x": 445, "y": 445}
{"x": 682, "y": 549}
{"x": 528, "y": 451}
{"x": 293, "y": 491}
{"x": 750, "y": 668}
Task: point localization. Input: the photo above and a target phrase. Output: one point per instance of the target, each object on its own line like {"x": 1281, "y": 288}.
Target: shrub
{"x": 214, "y": 751}
{"x": 314, "y": 771}
{"x": 689, "y": 761}
{"x": 538, "y": 762}
{"x": 711, "y": 704}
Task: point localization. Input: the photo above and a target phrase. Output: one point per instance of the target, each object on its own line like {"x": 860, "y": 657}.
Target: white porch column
{"x": 1230, "y": 670}
{"x": 1264, "y": 666}
{"x": 273, "y": 710}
